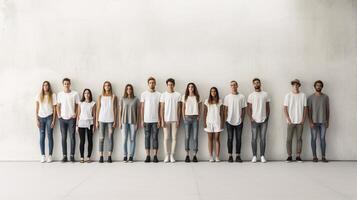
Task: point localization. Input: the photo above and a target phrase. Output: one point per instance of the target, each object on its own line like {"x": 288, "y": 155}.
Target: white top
{"x": 258, "y": 101}
{"x": 86, "y": 115}
{"x": 295, "y": 104}
{"x": 171, "y": 101}
{"x": 151, "y": 102}
{"x": 213, "y": 112}
{"x": 235, "y": 104}
{"x": 68, "y": 102}
{"x": 191, "y": 105}
{"x": 106, "y": 113}
{"x": 45, "y": 108}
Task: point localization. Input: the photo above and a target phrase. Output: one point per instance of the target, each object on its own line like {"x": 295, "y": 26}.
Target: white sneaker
{"x": 211, "y": 159}
{"x": 254, "y": 159}
{"x": 262, "y": 159}
{"x": 166, "y": 159}
{"x": 43, "y": 159}
{"x": 217, "y": 159}
{"x": 49, "y": 159}
{"x": 172, "y": 159}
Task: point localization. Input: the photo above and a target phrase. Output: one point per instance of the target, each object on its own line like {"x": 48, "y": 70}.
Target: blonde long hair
{"x": 42, "y": 93}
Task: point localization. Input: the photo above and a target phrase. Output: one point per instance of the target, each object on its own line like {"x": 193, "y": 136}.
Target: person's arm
{"x": 309, "y": 115}
{"x": 162, "y": 110}
{"x": 179, "y": 105}
{"x": 78, "y": 111}
{"x": 250, "y": 112}
{"x": 115, "y": 110}
{"x": 221, "y": 109}
{"x": 304, "y": 115}
{"x": 225, "y": 112}
{"x": 242, "y": 114}
{"x": 286, "y": 112}
{"x": 142, "y": 114}
{"x": 159, "y": 124}
{"x": 58, "y": 108}
{"x": 37, "y": 119}
{"x": 328, "y": 113}
{"x": 138, "y": 111}
{"x": 199, "y": 110}
{"x": 120, "y": 112}
{"x": 205, "y": 116}
{"x": 267, "y": 109}
{"x": 183, "y": 108}
{"x": 97, "y": 113}
{"x": 94, "y": 114}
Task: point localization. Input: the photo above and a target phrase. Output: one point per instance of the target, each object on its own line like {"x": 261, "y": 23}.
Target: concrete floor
{"x": 205, "y": 181}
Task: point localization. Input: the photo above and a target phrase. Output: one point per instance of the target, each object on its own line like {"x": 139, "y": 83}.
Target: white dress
{"x": 213, "y": 119}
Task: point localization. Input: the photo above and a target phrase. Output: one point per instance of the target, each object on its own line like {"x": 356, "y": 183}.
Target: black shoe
{"x": 187, "y": 159}
{"x": 324, "y": 160}
{"x": 194, "y": 159}
{"x": 109, "y": 159}
{"x": 298, "y": 159}
{"x": 72, "y": 158}
{"x": 315, "y": 159}
{"x": 125, "y": 159}
{"x": 101, "y": 159}
{"x": 131, "y": 159}
{"x": 155, "y": 159}
{"x": 148, "y": 159}
{"x": 238, "y": 159}
{"x": 289, "y": 159}
{"x": 64, "y": 159}
{"x": 230, "y": 159}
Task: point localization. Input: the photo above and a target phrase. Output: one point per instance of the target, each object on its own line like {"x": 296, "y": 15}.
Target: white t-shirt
{"x": 235, "y": 103}
{"x": 106, "y": 112}
{"x": 68, "y": 102}
{"x": 151, "y": 102}
{"x": 213, "y": 113}
{"x": 86, "y": 115}
{"x": 295, "y": 104}
{"x": 171, "y": 101}
{"x": 258, "y": 101}
{"x": 46, "y": 108}
{"x": 191, "y": 105}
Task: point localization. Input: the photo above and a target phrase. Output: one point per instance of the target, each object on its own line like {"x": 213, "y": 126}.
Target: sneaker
{"x": 262, "y": 159}
{"x": 130, "y": 159}
{"x": 49, "y": 159}
{"x": 254, "y": 159}
{"x": 155, "y": 159}
{"x": 172, "y": 159}
{"x": 125, "y": 159}
{"x": 194, "y": 159}
{"x": 109, "y": 159}
{"x": 315, "y": 159}
{"x": 88, "y": 160}
{"x": 217, "y": 159}
{"x": 187, "y": 159}
{"x": 230, "y": 159}
{"x": 324, "y": 160}
{"x": 82, "y": 160}
{"x": 211, "y": 159}
{"x": 166, "y": 160}
{"x": 148, "y": 159}
{"x": 64, "y": 159}
{"x": 101, "y": 159}
{"x": 43, "y": 159}
{"x": 289, "y": 159}
{"x": 238, "y": 159}
{"x": 72, "y": 158}
{"x": 298, "y": 158}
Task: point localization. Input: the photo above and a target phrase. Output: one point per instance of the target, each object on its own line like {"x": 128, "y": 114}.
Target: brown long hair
{"x": 195, "y": 92}
{"x": 125, "y": 90}
{"x": 90, "y": 95}
{"x": 211, "y": 98}
{"x": 42, "y": 93}
{"x": 111, "y": 89}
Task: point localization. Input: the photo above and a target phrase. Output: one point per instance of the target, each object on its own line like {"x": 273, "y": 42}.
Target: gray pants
{"x": 292, "y": 129}
{"x": 68, "y": 126}
{"x": 259, "y": 129}
{"x": 103, "y": 126}
{"x": 191, "y": 131}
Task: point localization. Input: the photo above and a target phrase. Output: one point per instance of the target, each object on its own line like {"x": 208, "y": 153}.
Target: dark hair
{"x": 125, "y": 90}
{"x": 256, "y": 79}
{"x": 151, "y": 79}
{"x": 170, "y": 80}
{"x": 318, "y": 81}
{"x": 66, "y": 79}
{"x": 195, "y": 92}
{"x": 90, "y": 95}
{"x": 211, "y": 98}
{"x": 234, "y": 82}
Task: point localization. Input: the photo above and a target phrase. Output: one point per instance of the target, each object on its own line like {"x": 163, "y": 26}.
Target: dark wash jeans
{"x": 151, "y": 132}
{"x": 237, "y": 131}
{"x": 68, "y": 126}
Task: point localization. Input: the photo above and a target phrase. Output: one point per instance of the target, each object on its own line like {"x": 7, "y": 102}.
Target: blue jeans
{"x": 68, "y": 126}
{"x": 191, "y": 130}
{"x": 320, "y": 129}
{"x": 45, "y": 124}
{"x": 261, "y": 130}
{"x": 126, "y": 130}
{"x": 103, "y": 128}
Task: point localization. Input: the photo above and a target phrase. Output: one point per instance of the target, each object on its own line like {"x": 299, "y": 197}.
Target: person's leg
{"x": 50, "y": 134}
{"x": 195, "y": 135}
{"x": 188, "y": 129}
{"x": 64, "y": 127}
{"x": 110, "y": 138}
{"x": 290, "y": 134}
{"x": 102, "y": 127}
{"x": 166, "y": 138}
{"x": 147, "y": 130}
{"x": 124, "y": 131}
{"x": 210, "y": 144}
{"x": 72, "y": 134}
{"x": 173, "y": 137}
{"x": 218, "y": 144}
{"x": 229, "y": 138}
{"x": 155, "y": 139}
{"x": 239, "y": 131}
{"x": 299, "y": 130}
{"x": 82, "y": 139}
{"x": 254, "y": 137}
{"x": 313, "y": 140}
{"x": 90, "y": 141}
{"x": 263, "y": 133}
{"x": 323, "y": 140}
{"x": 42, "y": 135}
{"x": 132, "y": 140}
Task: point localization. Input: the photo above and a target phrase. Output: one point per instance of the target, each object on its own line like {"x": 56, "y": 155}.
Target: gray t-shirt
{"x": 129, "y": 108}
{"x": 318, "y": 107}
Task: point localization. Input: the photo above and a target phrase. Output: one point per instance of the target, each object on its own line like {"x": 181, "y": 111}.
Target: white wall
{"x": 209, "y": 42}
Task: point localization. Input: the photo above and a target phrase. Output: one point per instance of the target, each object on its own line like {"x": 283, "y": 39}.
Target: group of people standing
{"x": 155, "y": 110}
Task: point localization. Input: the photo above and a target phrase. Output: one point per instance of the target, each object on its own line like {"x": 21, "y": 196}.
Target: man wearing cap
{"x": 295, "y": 110}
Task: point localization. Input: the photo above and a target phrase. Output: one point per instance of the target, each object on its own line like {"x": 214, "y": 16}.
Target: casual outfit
{"x": 213, "y": 119}
{"x": 171, "y": 101}
{"x": 129, "y": 107}
{"x": 45, "y": 116}
{"x": 318, "y": 111}
{"x": 106, "y": 122}
{"x": 85, "y": 127}
{"x": 296, "y": 104}
{"x": 191, "y": 121}
{"x": 234, "y": 123}
{"x": 68, "y": 103}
